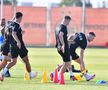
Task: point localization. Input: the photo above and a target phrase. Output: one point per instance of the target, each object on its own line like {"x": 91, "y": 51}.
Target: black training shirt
{"x": 80, "y": 41}
{"x": 18, "y": 30}
{"x": 63, "y": 29}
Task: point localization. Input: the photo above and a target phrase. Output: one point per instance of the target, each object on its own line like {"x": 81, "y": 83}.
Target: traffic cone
{"x": 78, "y": 77}
{"x": 26, "y": 77}
{"x": 62, "y": 82}
{"x": 55, "y": 79}
{"x": 44, "y": 77}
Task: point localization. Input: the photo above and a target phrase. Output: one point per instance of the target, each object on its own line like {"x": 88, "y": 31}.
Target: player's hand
{"x": 19, "y": 45}
{"x": 63, "y": 48}
{"x": 84, "y": 71}
{"x": 23, "y": 32}
{"x": 71, "y": 42}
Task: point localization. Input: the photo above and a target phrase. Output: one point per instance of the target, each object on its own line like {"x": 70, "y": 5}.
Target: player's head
{"x": 91, "y": 36}
{"x": 66, "y": 20}
{"x": 3, "y": 21}
{"x": 18, "y": 16}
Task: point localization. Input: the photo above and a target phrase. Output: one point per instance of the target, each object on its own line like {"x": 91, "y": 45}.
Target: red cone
{"x": 55, "y": 79}
{"x": 62, "y": 78}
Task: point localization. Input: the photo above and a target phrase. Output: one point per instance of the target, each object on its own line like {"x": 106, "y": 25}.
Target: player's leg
{"x": 14, "y": 55}
{"x": 67, "y": 70}
{"x": 5, "y": 59}
{"x": 75, "y": 70}
{"x": 63, "y": 67}
{"x": 67, "y": 64}
{"x": 12, "y": 63}
{"x": 76, "y": 58}
{"x": 24, "y": 55}
{"x": 5, "y": 71}
{"x": 8, "y": 73}
{"x": 71, "y": 72}
{"x": 27, "y": 64}
{"x": 52, "y": 73}
{"x": 86, "y": 74}
{"x": 4, "y": 55}
{"x": 2, "y": 66}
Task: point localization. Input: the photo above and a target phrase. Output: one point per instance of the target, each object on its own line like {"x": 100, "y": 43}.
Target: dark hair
{"x": 18, "y": 15}
{"x": 3, "y": 19}
{"x": 92, "y": 33}
{"x": 67, "y": 17}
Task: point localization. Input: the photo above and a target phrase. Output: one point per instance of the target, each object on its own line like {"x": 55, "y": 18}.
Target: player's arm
{"x": 2, "y": 30}
{"x": 82, "y": 59}
{"x": 23, "y": 32}
{"x": 71, "y": 39}
{"x": 16, "y": 39}
{"x": 62, "y": 40}
{"x": 14, "y": 34}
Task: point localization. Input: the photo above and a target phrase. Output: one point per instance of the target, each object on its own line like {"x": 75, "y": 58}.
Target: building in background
{"x": 56, "y": 3}
{"x": 98, "y": 3}
{"x": 38, "y": 3}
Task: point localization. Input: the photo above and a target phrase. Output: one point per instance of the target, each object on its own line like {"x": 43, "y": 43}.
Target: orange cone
{"x": 62, "y": 82}
{"x": 55, "y": 79}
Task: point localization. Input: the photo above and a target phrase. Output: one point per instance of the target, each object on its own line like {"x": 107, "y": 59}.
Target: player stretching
{"x": 80, "y": 40}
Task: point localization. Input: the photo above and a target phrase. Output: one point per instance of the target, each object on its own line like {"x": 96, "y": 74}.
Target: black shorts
{"x": 73, "y": 54}
{"x": 15, "y": 51}
{"x": 5, "y": 48}
{"x": 66, "y": 55}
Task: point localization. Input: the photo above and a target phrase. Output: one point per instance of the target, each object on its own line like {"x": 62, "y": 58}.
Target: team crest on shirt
{"x": 80, "y": 36}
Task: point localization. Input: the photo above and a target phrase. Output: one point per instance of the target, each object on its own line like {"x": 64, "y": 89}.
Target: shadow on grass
{"x": 37, "y": 81}
{"x": 88, "y": 83}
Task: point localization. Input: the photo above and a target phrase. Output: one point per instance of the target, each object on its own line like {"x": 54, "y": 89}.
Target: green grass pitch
{"x": 96, "y": 61}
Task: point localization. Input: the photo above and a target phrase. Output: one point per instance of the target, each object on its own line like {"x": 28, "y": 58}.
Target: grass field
{"x": 96, "y": 62}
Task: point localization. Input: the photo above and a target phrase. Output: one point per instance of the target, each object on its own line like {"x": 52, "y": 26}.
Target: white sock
{"x": 86, "y": 74}
{"x": 1, "y": 57}
{"x": 53, "y": 73}
{"x": 4, "y": 71}
{"x": 30, "y": 74}
{"x": 71, "y": 73}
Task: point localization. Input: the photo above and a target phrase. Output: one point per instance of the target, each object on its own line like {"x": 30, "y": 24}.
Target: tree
{"x": 71, "y": 3}
{"x": 9, "y": 2}
{"x": 88, "y": 4}
{"x": 75, "y": 3}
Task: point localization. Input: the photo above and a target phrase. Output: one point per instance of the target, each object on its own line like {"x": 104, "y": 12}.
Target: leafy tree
{"x": 74, "y": 3}
{"x": 9, "y": 2}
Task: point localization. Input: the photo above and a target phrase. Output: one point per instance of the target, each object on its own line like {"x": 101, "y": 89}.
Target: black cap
{"x": 18, "y": 15}
{"x": 92, "y": 33}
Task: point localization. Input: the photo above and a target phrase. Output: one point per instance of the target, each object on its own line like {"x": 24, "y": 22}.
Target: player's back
{"x": 80, "y": 41}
